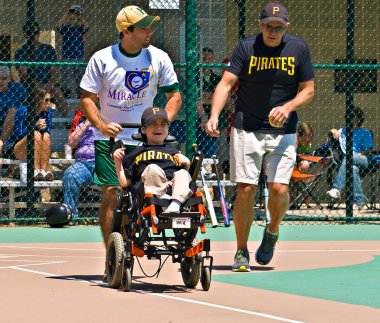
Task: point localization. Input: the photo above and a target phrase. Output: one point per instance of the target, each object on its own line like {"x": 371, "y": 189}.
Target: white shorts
{"x": 250, "y": 151}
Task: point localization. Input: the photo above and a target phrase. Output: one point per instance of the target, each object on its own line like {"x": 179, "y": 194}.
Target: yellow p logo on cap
{"x": 275, "y": 10}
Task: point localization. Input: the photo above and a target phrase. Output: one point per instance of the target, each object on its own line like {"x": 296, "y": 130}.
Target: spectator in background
{"x": 362, "y": 147}
{"x": 230, "y": 104}
{"x": 16, "y": 145}
{"x": 81, "y": 172}
{"x": 305, "y": 136}
{"x": 44, "y": 76}
{"x": 72, "y": 26}
{"x": 12, "y": 95}
{"x": 207, "y": 82}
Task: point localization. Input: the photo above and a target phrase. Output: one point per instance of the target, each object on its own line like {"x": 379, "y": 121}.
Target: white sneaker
{"x": 357, "y": 206}
{"x": 165, "y": 197}
{"x": 174, "y": 207}
{"x": 334, "y": 193}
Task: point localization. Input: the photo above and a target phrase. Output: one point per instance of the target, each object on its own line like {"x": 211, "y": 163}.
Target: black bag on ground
{"x": 58, "y": 215}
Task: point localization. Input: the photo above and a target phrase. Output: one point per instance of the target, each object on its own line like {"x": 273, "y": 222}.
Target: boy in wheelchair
{"x": 164, "y": 174}
{"x": 156, "y": 163}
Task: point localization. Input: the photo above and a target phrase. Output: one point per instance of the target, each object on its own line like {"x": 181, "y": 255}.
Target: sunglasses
{"x": 271, "y": 29}
{"x": 47, "y": 100}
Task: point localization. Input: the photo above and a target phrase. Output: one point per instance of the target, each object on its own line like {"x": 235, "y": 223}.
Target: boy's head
{"x": 152, "y": 114}
{"x": 155, "y": 125}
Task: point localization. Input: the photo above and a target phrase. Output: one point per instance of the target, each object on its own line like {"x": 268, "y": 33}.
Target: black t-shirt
{"x": 269, "y": 77}
{"x": 162, "y": 155}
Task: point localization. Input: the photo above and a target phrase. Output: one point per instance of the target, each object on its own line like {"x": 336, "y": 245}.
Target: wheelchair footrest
{"x": 203, "y": 245}
{"x": 183, "y": 220}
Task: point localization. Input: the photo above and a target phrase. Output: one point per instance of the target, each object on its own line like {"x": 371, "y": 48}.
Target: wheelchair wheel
{"x": 205, "y": 278}
{"x": 114, "y": 259}
{"x": 126, "y": 279}
{"x": 190, "y": 270}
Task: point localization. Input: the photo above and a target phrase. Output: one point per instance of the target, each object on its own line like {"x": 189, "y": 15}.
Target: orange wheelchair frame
{"x": 140, "y": 228}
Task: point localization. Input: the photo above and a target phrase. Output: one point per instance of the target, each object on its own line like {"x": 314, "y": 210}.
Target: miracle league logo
{"x": 136, "y": 81}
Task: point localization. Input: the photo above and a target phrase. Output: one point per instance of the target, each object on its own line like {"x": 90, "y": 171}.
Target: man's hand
{"x": 111, "y": 129}
{"x": 211, "y": 127}
{"x": 41, "y": 124}
{"x": 278, "y": 116}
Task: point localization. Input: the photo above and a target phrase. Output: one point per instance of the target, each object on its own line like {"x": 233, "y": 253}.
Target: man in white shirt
{"x": 124, "y": 78}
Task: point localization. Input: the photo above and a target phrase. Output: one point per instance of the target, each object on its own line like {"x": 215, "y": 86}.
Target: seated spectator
{"x": 16, "y": 145}
{"x": 12, "y": 95}
{"x": 305, "y": 136}
{"x": 81, "y": 172}
{"x": 44, "y": 76}
{"x": 230, "y": 105}
{"x": 209, "y": 81}
{"x": 72, "y": 26}
{"x": 362, "y": 147}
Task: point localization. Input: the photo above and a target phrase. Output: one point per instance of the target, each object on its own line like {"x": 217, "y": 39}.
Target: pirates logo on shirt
{"x": 136, "y": 81}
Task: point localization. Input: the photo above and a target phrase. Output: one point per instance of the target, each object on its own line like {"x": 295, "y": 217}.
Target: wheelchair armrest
{"x": 196, "y": 164}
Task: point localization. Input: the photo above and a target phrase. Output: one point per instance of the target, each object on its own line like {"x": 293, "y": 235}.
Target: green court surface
{"x": 348, "y": 232}
{"x": 357, "y": 284}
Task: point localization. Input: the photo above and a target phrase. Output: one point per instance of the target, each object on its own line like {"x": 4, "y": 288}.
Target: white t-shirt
{"x": 127, "y": 85}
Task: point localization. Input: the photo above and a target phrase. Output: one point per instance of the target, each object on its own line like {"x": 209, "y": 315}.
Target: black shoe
{"x": 266, "y": 250}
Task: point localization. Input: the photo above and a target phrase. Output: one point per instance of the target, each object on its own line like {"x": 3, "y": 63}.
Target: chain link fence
{"x": 44, "y": 50}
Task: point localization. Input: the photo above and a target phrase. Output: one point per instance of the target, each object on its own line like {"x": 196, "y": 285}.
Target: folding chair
{"x": 305, "y": 183}
{"x": 372, "y": 171}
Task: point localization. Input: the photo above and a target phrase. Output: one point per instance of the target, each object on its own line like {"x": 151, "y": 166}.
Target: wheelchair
{"x": 140, "y": 228}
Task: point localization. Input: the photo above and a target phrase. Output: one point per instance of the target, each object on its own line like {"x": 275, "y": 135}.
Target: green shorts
{"x": 105, "y": 171}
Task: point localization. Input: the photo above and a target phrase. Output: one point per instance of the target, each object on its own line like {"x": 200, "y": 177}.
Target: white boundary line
{"x": 18, "y": 267}
{"x": 48, "y": 256}
{"x": 228, "y": 308}
{"x": 214, "y": 252}
{"x": 50, "y": 248}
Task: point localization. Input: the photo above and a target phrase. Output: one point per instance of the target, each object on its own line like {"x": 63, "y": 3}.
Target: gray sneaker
{"x": 241, "y": 261}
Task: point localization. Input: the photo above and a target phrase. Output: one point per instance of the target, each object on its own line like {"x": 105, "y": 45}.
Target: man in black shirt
{"x": 276, "y": 78}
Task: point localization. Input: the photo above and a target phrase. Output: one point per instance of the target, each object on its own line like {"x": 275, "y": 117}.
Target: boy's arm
{"x": 183, "y": 161}
{"x": 118, "y": 158}
{"x": 124, "y": 181}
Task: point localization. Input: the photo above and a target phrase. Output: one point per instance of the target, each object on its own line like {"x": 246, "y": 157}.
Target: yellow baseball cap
{"x": 134, "y": 16}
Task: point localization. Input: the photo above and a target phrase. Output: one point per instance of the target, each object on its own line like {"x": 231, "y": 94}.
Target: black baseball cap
{"x": 274, "y": 11}
{"x": 151, "y": 114}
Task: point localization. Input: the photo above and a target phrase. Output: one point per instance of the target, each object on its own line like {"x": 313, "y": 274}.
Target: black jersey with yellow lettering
{"x": 269, "y": 77}
{"x": 136, "y": 161}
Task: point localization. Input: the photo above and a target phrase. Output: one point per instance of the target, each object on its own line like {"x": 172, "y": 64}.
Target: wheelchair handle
{"x": 196, "y": 163}
{"x": 112, "y": 140}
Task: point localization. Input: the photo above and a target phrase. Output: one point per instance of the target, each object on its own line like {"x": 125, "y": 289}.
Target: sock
{"x": 273, "y": 234}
